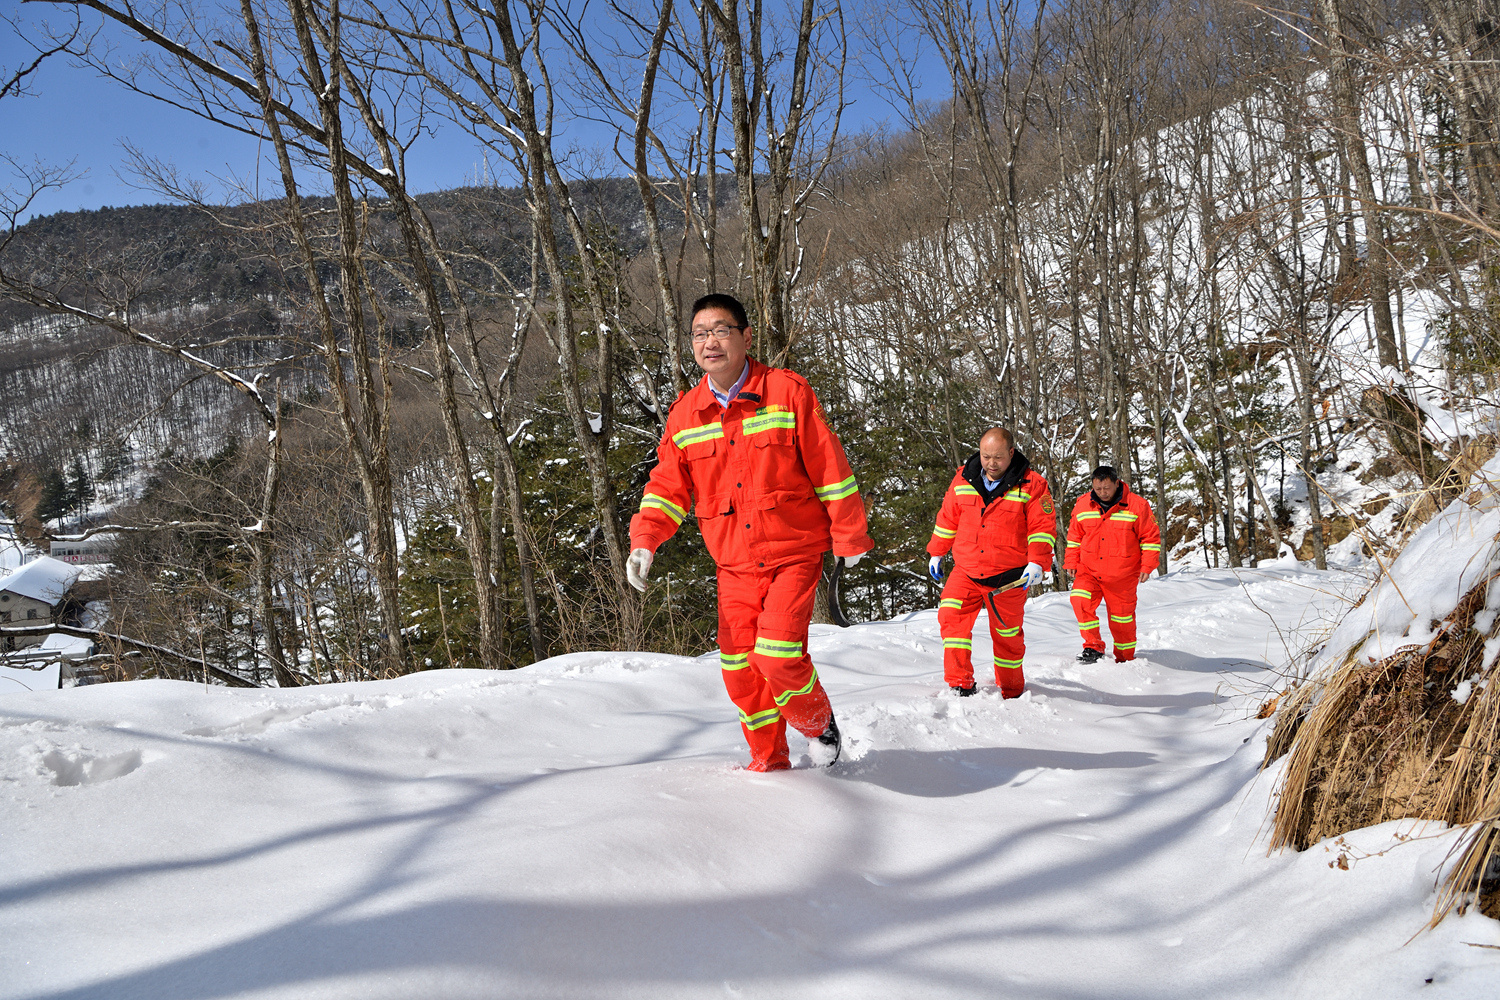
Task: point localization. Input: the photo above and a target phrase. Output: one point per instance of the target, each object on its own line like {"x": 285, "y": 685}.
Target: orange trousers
{"x": 763, "y": 616}
{"x": 960, "y": 604}
{"x": 1119, "y": 597}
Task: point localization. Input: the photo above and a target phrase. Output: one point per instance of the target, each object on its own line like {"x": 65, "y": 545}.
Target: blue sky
{"x": 75, "y": 116}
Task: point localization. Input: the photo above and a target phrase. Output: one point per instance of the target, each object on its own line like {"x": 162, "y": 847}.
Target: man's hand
{"x": 849, "y": 561}
{"x": 935, "y": 569}
{"x": 1145, "y": 576}
{"x": 637, "y": 567}
{"x": 1032, "y": 575}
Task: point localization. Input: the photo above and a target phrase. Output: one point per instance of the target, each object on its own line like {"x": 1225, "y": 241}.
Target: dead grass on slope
{"x": 1372, "y": 742}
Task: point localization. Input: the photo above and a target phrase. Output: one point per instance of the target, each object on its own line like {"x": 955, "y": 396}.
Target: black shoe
{"x": 964, "y": 692}
{"x": 1090, "y": 655}
{"x": 828, "y": 745}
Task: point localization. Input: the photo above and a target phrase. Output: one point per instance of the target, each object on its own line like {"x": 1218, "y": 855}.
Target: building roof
{"x": 43, "y": 579}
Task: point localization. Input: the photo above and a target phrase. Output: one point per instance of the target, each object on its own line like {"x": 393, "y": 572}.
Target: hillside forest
{"x": 1246, "y": 254}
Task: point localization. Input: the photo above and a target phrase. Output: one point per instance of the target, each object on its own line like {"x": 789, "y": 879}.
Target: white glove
{"x": 637, "y": 567}
{"x": 849, "y": 561}
{"x": 1032, "y": 575}
{"x": 935, "y": 569}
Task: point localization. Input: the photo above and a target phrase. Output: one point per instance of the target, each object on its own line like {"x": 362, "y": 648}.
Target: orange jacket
{"x": 1124, "y": 541}
{"x": 769, "y": 478}
{"x": 1014, "y": 528}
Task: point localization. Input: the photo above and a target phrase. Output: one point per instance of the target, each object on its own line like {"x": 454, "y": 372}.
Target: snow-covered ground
{"x": 581, "y": 828}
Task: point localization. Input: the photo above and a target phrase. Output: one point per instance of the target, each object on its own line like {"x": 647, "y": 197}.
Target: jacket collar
{"x": 1012, "y": 477}
{"x": 753, "y": 391}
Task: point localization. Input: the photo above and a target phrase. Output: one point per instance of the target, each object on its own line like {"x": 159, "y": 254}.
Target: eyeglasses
{"x": 718, "y": 333}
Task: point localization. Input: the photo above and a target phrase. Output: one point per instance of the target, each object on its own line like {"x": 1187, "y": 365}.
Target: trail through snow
{"x": 582, "y": 828}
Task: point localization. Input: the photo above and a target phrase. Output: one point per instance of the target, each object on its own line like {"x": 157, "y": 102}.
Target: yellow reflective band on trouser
{"x": 836, "y": 491}
{"x": 1008, "y": 632}
{"x": 778, "y": 647}
{"x": 942, "y": 532}
{"x": 1081, "y": 593}
{"x": 664, "y": 505}
{"x": 697, "y": 435}
{"x": 1122, "y": 619}
{"x": 764, "y": 421}
{"x": 1008, "y": 664}
{"x": 1088, "y": 626}
{"x": 733, "y": 661}
{"x": 759, "y": 719}
{"x": 1124, "y": 645}
{"x": 950, "y": 602}
{"x": 1041, "y": 536}
{"x": 958, "y": 643}
{"x": 786, "y": 696}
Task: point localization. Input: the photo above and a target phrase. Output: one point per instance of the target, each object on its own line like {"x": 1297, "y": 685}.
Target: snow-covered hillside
{"x": 581, "y": 828}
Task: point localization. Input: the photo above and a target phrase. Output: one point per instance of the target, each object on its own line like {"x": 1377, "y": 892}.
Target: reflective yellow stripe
{"x": 786, "y": 696}
{"x": 733, "y": 661}
{"x": 1008, "y": 632}
{"x": 943, "y": 532}
{"x": 965, "y": 490}
{"x": 759, "y": 719}
{"x": 664, "y": 505}
{"x": 1074, "y": 545}
{"x": 1018, "y": 495}
{"x": 1081, "y": 593}
{"x": 1122, "y": 516}
{"x": 836, "y": 491}
{"x": 1041, "y": 536}
{"x": 1008, "y": 664}
{"x": 950, "y": 602}
{"x": 766, "y": 418}
{"x": 1122, "y": 618}
{"x": 1088, "y": 626}
{"x": 1150, "y": 547}
{"x": 1089, "y": 515}
{"x": 958, "y": 643}
{"x": 697, "y": 435}
{"x": 1124, "y": 645}
{"x": 778, "y": 647}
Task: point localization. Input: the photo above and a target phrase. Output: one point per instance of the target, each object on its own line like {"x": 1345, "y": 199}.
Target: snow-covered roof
{"x": 42, "y": 579}
{"x": 71, "y": 647}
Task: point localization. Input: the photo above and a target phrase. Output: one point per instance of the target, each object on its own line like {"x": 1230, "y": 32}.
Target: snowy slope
{"x": 580, "y": 828}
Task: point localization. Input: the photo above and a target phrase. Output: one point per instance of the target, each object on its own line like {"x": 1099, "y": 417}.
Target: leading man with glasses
{"x": 749, "y": 447}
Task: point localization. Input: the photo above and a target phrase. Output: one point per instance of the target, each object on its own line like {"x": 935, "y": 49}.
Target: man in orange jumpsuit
{"x": 1113, "y": 545}
{"x": 749, "y": 450}
{"x": 998, "y": 520}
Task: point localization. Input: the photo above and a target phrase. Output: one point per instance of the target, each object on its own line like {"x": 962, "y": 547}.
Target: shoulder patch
{"x": 1047, "y": 504}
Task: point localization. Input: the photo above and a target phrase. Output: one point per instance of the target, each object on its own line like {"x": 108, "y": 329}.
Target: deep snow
{"x": 581, "y": 828}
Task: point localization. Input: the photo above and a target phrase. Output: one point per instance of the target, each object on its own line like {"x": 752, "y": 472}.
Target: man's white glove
{"x": 1032, "y": 575}
{"x": 637, "y": 567}
{"x": 849, "y": 561}
{"x": 935, "y": 569}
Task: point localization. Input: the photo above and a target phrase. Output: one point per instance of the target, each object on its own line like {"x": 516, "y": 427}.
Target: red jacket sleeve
{"x": 1041, "y": 526}
{"x": 668, "y": 497}
{"x": 833, "y": 480}
{"x": 1150, "y": 536}
{"x": 946, "y": 529}
{"x": 1075, "y": 538}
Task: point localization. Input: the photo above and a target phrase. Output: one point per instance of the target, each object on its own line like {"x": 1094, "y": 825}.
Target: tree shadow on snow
{"x": 944, "y": 773}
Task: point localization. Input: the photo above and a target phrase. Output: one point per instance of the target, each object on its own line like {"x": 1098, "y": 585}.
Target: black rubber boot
{"x": 964, "y": 692}
{"x": 830, "y": 739}
{"x": 1090, "y": 655}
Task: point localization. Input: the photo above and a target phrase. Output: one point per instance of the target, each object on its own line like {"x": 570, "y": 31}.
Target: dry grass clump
{"x": 1380, "y": 741}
